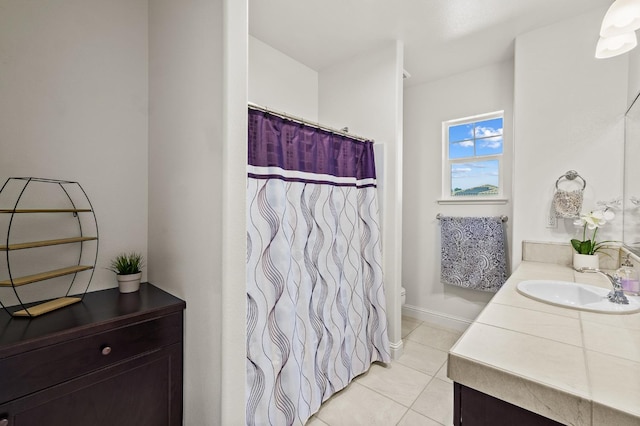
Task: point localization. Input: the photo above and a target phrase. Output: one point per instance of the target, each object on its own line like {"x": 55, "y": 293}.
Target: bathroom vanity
{"x": 111, "y": 359}
{"x": 526, "y": 362}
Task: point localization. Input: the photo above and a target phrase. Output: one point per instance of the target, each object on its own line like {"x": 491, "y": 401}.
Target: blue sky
{"x": 476, "y": 173}
{"x": 475, "y": 140}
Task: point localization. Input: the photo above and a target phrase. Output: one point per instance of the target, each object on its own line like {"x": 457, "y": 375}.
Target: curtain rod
{"x": 341, "y": 132}
{"x": 502, "y": 218}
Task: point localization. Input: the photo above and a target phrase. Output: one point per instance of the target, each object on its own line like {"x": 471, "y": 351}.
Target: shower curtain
{"x": 315, "y": 298}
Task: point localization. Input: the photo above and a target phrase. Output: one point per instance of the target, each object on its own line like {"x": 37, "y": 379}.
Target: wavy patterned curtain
{"x": 315, "y": 298}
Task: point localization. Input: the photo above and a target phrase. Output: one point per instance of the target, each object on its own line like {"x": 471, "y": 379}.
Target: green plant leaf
{"x": 583, "y": 247}
{"x": 127, "y": 263}
{"x": 586, "y": 247}
{"x": 576, "y": 245}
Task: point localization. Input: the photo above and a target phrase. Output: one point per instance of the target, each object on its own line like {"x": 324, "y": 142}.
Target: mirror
{"x": 631, "y": 190}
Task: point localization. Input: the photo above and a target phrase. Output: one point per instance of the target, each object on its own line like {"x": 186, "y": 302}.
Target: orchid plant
{"x": 592, "y": 221}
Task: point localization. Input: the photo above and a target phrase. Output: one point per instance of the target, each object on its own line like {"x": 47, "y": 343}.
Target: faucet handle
{"x": 617, "y": 295}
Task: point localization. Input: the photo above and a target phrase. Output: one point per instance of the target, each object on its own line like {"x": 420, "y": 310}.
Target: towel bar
{"x": 502, "y": 217}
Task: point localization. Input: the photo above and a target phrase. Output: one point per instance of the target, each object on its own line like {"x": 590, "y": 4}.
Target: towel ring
{"x": 571, "y": 175}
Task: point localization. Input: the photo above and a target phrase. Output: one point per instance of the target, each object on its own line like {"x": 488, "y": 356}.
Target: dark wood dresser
{"x": 113, "y": 359}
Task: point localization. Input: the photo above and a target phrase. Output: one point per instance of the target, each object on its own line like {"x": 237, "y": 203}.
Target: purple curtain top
{"x": 277, "y": 142}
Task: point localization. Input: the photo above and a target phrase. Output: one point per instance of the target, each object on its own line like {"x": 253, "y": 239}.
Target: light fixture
{"x": 617, "y": 32}
{"x": 622, "y": 17}
{"x": 608, "y": 47}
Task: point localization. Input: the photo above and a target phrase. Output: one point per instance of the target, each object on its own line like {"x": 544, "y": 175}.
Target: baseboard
{"x": 436, "y": 318}
{"x": 397, "y": 349}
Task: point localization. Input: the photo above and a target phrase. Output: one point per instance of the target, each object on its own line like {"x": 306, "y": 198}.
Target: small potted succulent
{"x": 128, "y": 269}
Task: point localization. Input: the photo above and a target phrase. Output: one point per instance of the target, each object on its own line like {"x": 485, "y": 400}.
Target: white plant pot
{"x": 129, "y": 283}
{"x": 587, "y": 261}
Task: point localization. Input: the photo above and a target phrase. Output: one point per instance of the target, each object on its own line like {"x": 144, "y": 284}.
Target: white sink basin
{"x": 575, "y": 295}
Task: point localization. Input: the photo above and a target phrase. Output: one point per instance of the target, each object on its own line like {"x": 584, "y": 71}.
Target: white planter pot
{"x": 587, "y": 261}
{"x": 129, "y": 283}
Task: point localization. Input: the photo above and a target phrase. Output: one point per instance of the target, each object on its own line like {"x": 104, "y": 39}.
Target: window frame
{"x": 447, "y": 162}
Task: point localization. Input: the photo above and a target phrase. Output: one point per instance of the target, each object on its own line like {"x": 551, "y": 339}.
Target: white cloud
{"x": 492, "y": 143}
{"x": 479, "y": 165}
{"x": 461, "y": 169}
{"x": 483, "y": 132}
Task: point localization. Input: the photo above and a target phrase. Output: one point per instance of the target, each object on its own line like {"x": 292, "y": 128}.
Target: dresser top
{"x": 98, "y": 311}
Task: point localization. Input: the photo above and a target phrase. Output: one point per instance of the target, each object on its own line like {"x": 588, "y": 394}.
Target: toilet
{"x": 403, "y": 295}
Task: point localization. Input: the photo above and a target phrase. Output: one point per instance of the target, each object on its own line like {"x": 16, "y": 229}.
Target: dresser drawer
{"x": 30, "y": 371}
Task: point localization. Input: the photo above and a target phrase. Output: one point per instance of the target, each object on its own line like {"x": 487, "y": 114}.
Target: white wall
{"x": 281, "y": 83}
{"x": 78, "y": 81}
{"x": 234, "y": 227}
{"x": 73, "y": 105}
{"x": 426, "y": 106}
{"x": 634, "y": 75}
{"x": 365, "y": 93}
{"x": 569, "y": 114}
{"x": 186, "y": 185}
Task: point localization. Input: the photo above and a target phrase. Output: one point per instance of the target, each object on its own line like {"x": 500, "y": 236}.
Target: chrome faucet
{"x": 616, "y": 295}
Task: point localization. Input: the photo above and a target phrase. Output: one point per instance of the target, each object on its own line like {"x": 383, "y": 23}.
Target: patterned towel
{"x": 567, "y": 204}
{"x": 473, "y": 252}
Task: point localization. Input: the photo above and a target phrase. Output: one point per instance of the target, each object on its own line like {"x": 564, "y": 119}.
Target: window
{"x": 472, "y": 166}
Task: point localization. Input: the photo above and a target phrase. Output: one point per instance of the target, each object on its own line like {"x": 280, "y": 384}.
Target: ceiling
{"x": 441, "y": 37}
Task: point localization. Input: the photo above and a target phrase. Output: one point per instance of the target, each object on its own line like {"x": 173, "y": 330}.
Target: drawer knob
{"x": 106, "y": 350}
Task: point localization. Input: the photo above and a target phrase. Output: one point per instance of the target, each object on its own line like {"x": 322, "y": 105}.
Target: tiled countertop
{"x": 575, "y": 367}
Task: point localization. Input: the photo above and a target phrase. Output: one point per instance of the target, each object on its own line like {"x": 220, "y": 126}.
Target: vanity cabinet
{"x": 474, "y": 408}
{"x": 111, "y": 359}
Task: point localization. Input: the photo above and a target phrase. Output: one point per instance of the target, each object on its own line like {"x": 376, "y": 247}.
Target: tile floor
{"x": 412, "y": 391}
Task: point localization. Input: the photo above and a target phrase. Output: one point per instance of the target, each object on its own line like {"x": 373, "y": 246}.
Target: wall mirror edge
{"x": 631, "y": 176}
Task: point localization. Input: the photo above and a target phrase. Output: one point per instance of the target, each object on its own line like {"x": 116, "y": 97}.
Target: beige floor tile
{"x": 436, "y": 402}
{"x": 442, "y": 374}
{"x": 314, "y": 421}
{"x": 414, "y": 419}
{"x": 358, "y": 405}
{"x": 435, "y": 337}
{"x": 408, "y": 325}
{"x": 381, "y": 396}
{"x": 422, "y": 358}
{"x": 398, "y": 382}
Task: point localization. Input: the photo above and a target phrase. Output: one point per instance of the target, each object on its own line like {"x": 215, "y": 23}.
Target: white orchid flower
{"x": 595, "y": 219}
{"x": 608, "y": 215}
{"x": 592, "y": 220}
{"x": 614, "y": 203}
